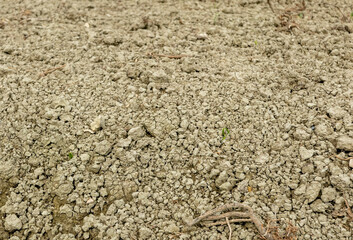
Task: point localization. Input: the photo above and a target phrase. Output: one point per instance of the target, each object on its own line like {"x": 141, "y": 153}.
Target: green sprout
{"x": 256, "y": 42}
{"x": 225, "y": 133}
{"x": 215, "y": 18}
{"x": 301, "y": 15}
{"x": 352, "y": 14}
{"x": 70, "y": 155}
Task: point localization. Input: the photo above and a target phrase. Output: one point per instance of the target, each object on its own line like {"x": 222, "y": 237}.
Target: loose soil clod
{"x": 285, "y": 95}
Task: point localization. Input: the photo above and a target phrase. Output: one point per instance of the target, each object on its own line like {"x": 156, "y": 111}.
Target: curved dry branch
{"x": 245, "y": 214}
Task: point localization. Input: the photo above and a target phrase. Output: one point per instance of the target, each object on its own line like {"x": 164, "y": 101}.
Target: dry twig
{"x": 270, "y": 4}
{"x": 290, "y": 232}
{"x": 286, "y": 17}
{"x": 245, "y": 214}
{"x": 349, "y": 211}
{"x": 230, "y": 229}
{"x": 343, "y": 159}
{"x": 48, "y": 71}
{"x": 344, "y": 17}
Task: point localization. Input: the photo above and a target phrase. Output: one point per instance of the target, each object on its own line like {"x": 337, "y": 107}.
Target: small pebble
{"x": 12, "y": 223}
{"x": 305, "y": 153}
{"x": 345, "y": 143}
{"x": 336, "y": 112}
{"x": 97, "y": 124}
{"x": 202, "y": 36}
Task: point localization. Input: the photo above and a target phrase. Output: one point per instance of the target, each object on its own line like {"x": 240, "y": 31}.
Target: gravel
{"x": 12, "y": 223}
{"x": 112, "y": 115}
{"x": 345, "y": 143}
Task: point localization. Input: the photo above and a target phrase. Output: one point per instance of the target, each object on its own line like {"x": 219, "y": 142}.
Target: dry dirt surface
{"x": 129, "y": 119}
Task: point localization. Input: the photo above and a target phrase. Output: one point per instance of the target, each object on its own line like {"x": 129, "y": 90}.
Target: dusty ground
{"x": 111, "y": 117}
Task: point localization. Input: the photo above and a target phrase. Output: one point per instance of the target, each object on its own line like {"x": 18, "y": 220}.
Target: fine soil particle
{"x": 112, "y": 113}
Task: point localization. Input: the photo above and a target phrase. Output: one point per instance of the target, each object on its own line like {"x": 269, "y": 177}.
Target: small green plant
{"x": 215, "y": 18}
{"x": 225, "y": 133}
{"x": 70, "y": 155}
{"x": 301, "y": 15}
{"x": 352, "y": 14}
{"x": 256, "y": 42}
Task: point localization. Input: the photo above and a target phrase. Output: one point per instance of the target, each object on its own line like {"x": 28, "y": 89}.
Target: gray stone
{"x": 318, "y": 206}
{"x": 117, "y": 192}
{"x": 262, "y": 158}
{"x": 335, "y": 170}
{"x": 137, "y": 133}
{"x": 328, "y": 194}
{"x": 95, "y": 167}
{"x": 97, "y": 124}
{"x": 341, "y": 181}
{"x": 38, "y": 172}
{"x": 103, "y": 148}
{"x": 201, "y": 36}
{"x": 323, "y": 220}
{"x": 85, "y": 157}
{"x": 145, "y": 233}
{"x": 8, "y": 49}
{"x": 64, "y": 190}
{"x": 214, "y": 172}
{"x": 59, "y": 101}
{"x": 88, "y": 222}
{"x": 243, "y": 186}
{"x": 15, "y": 238}
{"x": 203, "y": 93}
{"x": 323, "y": 130}
{"x": 111, "y": 210}
{"x": 119, "y": 203}
{"x": 112, "y": 233}
{"x": 33, "y": 161}
{"x": 308, "y": 168}
{"x": 7, "y": 169}
{"x": 66, "y": 209}
{"x": 131, "y": 88}
{"x": 143, "y": 198}
{"x": 345, "y": 143}
{"x": 223, "y": 176}
{"x": 227, "y": 186}
{"x": 124, "y": 142}
{"x": 305, "y": 153}
{"x": 351, "y": 163}
{"x": 188, "y": 67}
{"x": 336, "y": 112}
{"x": 128, "y": 188}
{"x": 5, "y": 70}
{"x": 189, "y": 182}
{"x": 49, "y": 114}
{"x": 66, "y": 118}
{"x": 172, "y": 228}
{"x": 301, "y": 134}
{"x": 312, "y": 191}
{"x": 184, "y": 124}
{"x": 160, "y": 76}
{"x": 12, "y": 223}
{"x": 287, "y": 206}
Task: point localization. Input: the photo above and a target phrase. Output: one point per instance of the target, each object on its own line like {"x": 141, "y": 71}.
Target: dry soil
{"x": 111, "y": 117}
